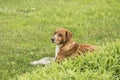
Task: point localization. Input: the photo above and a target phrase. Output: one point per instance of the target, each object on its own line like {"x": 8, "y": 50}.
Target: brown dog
{"x": 66, "y": 47}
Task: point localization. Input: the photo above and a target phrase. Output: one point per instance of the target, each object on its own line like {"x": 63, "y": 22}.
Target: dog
{"x": 66, "y": 46}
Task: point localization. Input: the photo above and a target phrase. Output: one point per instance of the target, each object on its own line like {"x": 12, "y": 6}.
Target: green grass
{"x": 102, "y": 65}
{"x": 26, "y": 27}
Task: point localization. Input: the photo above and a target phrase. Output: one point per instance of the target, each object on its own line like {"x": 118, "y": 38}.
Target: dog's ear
{"x": 68, "y": 35}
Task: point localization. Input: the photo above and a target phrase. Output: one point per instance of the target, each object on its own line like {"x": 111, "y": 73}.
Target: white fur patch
{"x": 57, "y": 50}
{"x": 43, "y": 61}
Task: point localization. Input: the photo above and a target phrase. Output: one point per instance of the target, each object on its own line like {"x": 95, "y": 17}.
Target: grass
{"x": 102, "y": 65}
{"x": 26, "y": 28}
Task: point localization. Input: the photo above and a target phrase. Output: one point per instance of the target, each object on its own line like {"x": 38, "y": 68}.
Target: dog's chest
{"x": 57, "y": 50}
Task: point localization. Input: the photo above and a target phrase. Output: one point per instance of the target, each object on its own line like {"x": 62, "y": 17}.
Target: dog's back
{"x": 73, "y": 48}
{"x": 86, "y": 47}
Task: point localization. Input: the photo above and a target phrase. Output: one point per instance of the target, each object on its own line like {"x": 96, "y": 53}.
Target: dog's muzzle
{"x": 53, "y": 40}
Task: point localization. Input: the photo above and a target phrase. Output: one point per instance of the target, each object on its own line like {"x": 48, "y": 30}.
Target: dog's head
{"x": 61, "y": 36}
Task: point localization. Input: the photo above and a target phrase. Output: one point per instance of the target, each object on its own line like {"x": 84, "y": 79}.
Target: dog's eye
{"x": 59, "y": 35}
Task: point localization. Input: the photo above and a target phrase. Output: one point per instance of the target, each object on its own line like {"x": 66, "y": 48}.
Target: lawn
{"x": 26, "y": 27}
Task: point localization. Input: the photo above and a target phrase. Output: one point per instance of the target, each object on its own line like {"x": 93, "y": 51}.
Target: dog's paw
{"x": 44, "y": 61}
{"x": 34, "y": 63}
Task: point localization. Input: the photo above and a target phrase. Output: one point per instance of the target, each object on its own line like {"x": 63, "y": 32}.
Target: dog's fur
{"x": 66, "y": 47}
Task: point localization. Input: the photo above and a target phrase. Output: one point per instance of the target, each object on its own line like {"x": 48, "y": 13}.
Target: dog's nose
{"x": 52, "y": 39}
